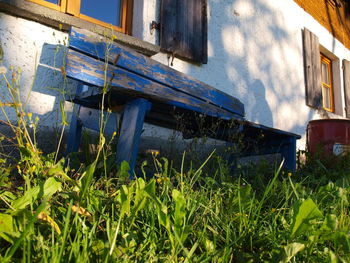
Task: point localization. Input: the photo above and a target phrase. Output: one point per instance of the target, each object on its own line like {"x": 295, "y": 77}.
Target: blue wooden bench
{"x": 145, "y": 90}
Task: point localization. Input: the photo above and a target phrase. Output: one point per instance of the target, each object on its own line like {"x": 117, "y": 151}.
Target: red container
{"x": 328, "y": 136}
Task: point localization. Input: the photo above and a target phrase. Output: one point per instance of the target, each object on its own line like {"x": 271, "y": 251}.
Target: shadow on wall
{"x": 261, "y": 109}
{"x": 50, "y": 86}
{"x": 256, "y": 56}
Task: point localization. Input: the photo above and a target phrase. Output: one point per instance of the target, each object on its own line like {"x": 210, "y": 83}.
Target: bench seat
{"x": 143, "y": 89}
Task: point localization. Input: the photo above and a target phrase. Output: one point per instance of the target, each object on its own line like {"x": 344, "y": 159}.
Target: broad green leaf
{"x": 305, "y": 212}
{"x": 330, "y": 223}
{"x": 140, "y": 199}
{"x": 245, "y": 197}
{"x": 51, "y": 186}
{"x": 29, "y": 197}
{"x": 165, "y": 166}
{"x": 209, "y": 245}
{"x": 63, "y": 115}
{"x": 125, "y": 199}
{"x": 98, "y": 247}
{"x": 95, "y": 200}
{"x": 163, "y": 216}
{"x": 343, "y": 195}
{"x": 123, "y": 172}
{"x": 162, "y": 210}
{"x": 291, "y": 250}
{"x": 342, "y": 240}
{"x": 150, "y": 189}
{"x": 139, "y": 190}
{"x": 6, "y": 227}
{"x": 332, "y": 257}
{"x": 180, "y": 207}
{"x": 87, "y": 179}
{"x": 57, "y": 171}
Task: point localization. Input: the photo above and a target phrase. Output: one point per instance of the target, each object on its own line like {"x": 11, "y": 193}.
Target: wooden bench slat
{"x": 91, "y": 71}
{"x": 96, "y": 46}
{"x": 253, "y": 127}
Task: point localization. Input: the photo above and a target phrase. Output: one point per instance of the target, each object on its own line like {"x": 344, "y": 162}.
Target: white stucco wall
{"x": 34, "y": 50}
{"x": 254, "y": 54}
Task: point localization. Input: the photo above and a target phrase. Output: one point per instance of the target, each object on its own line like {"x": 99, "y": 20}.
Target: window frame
{"x": 326, "y": 60}
{"x": 72, "y": 7}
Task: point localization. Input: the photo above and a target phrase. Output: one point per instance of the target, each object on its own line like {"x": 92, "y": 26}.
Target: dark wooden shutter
{"x": 337, "y": 90}
{"x": 184, "y": 29}
{"x": 346, "y": 74}
{"x": 312, "y": 69}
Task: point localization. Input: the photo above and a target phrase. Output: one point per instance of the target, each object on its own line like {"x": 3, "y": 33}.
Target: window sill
{"x": 55, "y": 19}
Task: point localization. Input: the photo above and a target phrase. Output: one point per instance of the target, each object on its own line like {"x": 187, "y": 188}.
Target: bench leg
{"x": 288, "y": 152}
{"x": 284, "y": 146}
{"x": 287, "y": 148}
{"x": 75, "y": 128}
{"x": 130, "y": 131}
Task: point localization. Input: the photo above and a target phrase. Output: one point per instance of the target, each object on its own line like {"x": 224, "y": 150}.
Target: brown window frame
{"x": 329, "y": 85}
{"x": 72, "y": 7}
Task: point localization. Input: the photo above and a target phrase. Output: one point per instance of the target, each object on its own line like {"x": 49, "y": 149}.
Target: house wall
{"x": 31, "y": 48}
{"x": 254, "y": 54}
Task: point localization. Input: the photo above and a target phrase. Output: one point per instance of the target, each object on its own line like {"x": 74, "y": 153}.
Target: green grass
{"x": 55, "y": 214}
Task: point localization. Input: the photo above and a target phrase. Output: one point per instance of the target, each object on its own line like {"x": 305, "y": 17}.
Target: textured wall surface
{"x": 254, "y": 53}
{"x": 36, "y": 51}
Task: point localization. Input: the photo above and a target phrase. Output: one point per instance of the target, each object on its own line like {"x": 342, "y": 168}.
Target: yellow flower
{"x": 159, "y": 180}
{"x": 33, "y": 168}
{"x": 289, "y": 174}
{"x": 3, "y": 70}
{"x": 273, "y": 210}
{"x": 153, "y": 152}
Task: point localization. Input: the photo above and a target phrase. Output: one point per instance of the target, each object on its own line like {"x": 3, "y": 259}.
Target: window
{"x": 115, "y": 13}
{"x": 327, "y": 86}
{"x": 322, "y": 76}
